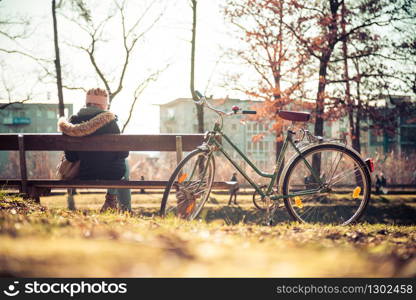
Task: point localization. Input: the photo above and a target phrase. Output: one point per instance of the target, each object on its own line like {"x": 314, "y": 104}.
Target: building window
{"x": 376, "y": 137}
{"x": 51, "y": 114}
{"x": 408, "y": 135}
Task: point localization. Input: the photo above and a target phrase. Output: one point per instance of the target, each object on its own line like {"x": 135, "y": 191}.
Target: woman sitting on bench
{"x": 94, "y": 119}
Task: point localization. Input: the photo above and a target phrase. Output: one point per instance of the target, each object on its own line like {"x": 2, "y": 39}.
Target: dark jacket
{"x": 235, "y": 187}
{"x": 94, "y": 164}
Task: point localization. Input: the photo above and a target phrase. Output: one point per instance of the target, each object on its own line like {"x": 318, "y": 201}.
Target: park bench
{"x": 34, "y": 188}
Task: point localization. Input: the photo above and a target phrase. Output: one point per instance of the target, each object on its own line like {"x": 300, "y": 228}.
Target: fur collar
{"x": 87, "y": 127}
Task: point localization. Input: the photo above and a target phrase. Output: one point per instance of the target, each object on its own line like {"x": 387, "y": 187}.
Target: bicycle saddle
{"x": 294, "y": 116}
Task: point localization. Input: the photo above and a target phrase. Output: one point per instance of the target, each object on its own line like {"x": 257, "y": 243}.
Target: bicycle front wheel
{"x": 342, "y": 194}
{"x": 189, "y": 186}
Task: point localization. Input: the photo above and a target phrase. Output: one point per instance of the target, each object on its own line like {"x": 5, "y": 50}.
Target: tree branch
{"x": 139, "y": 90}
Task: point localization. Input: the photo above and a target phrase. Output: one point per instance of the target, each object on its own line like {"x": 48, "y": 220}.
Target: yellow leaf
{"x": 190, "y": 207}
{"x": 182, "y": 178}
{"x": 298, "y": 202}
{"x": 356, "y": 192}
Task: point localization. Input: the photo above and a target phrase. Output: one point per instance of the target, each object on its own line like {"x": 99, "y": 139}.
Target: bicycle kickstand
{"x": 270, "y": 211}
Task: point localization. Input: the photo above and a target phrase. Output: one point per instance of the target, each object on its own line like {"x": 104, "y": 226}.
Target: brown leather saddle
{"x": 294, "y": 116}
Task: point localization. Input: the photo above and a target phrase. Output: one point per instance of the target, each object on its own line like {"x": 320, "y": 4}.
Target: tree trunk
{"x": 354, "y": 130}
{"x": 356, "y": 142}
{"x": 199, "y": 108}
{"x": 320, "y": 98}
{"x": 277, "y": 98}
{"x": 277, "y": 77}
{"x": 57, "y": 62}
{"x": 323, "y": 67}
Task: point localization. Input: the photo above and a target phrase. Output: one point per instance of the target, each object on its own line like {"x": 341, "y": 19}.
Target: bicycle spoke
{"x": 343, "y": 175}
{"x": 336, "y": 167}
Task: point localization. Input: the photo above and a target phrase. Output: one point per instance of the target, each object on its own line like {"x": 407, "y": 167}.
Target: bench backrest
{"x": 108, "y": 142}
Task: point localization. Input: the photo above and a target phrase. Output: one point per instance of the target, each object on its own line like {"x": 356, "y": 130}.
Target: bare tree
{"x": 130, "y": 36}
{"x": 57, "y": 61}
{"x": 199, "y": 108}
{"x": 138, "y": 91}
{"x": 15, "y": 31}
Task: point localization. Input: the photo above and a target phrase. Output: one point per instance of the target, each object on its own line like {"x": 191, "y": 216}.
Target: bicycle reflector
{"x": 356, "y": 192}
{"x": 370, "y": 164}
{"x": 298, "y": 202}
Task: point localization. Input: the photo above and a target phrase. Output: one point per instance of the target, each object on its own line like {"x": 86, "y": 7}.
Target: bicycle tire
{"x": 167, "y": 193}
{"x": 293, "y": 208}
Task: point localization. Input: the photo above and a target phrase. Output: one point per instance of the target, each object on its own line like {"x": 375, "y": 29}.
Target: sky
{"x": 167, "y": 44}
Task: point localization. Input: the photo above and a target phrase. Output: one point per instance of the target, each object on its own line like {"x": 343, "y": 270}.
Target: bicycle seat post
{"x": 290, "y": 131}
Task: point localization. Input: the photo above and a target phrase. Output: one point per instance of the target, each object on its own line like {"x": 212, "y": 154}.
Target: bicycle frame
{"x": 273, "y": 176}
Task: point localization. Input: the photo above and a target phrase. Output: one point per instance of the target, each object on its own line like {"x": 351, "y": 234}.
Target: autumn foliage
{"x": 330, "y": 57}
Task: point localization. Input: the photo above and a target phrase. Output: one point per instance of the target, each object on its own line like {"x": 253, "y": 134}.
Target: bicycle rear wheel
{"x": 344, "y": 191}
{"x": 189, "y": 186}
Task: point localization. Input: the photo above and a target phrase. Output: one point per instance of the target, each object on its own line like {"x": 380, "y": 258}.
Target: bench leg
{"x": 32, "y": 193}
{"x": 70, "y": 199}
{"x": 35, "y": 193}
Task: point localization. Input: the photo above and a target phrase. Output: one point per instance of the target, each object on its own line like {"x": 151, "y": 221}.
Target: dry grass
{"x": 51, "y": 241}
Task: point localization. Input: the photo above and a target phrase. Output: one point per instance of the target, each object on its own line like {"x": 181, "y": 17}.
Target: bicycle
{"x": 325, "y": 181}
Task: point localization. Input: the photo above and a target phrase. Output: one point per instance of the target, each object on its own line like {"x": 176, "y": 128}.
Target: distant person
{"x": 383, "y": 180}
{"x": 94, "y": 119}
{"x": 378, "y": 185}
{"x": 234, "y": 189}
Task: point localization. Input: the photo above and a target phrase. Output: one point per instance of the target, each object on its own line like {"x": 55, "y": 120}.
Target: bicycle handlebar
{"x": 249, "y": 112}
{"x": 203, "y": 100}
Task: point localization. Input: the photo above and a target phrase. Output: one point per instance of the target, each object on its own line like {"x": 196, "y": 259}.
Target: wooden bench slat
{"x": 140, "y": 184}
{"x": 107, "y": 142}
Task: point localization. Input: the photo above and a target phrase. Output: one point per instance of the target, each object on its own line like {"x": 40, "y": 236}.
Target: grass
{"x": 50, "y": 241}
